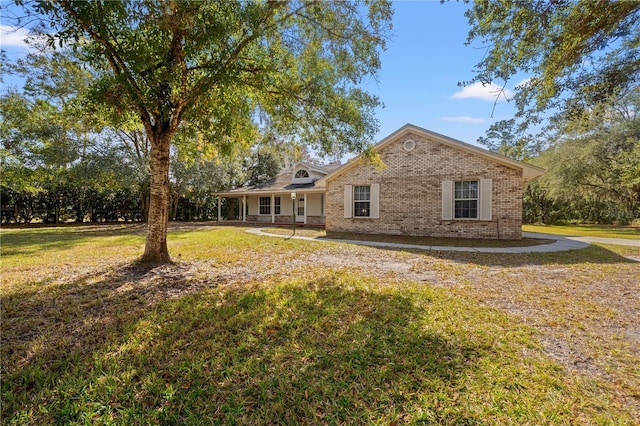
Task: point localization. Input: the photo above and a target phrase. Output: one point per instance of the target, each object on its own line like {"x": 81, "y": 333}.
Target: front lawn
{"x": 604, "y": 231}
{"x": 243, "y": 329}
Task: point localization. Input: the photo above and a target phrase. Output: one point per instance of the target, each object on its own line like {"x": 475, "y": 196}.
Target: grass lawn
{"x": 243, "y": 329}
{"x": 604, "y": 231}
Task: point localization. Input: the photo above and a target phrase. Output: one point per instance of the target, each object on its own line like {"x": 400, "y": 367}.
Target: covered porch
{"x": 304, "y": 206}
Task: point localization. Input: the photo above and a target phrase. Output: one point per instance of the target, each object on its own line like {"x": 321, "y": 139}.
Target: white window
{"x": 465, "y": 199}
{"x": 301, "y": 174}
{"x": 276, "y": 205}
{"x": 265, "y": 205}
{"x": 362, "y": 201}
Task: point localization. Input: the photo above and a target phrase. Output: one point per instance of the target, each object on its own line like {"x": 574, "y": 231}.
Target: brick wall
{"x": 284, "y": 219}
{"x": 411, "y": 193}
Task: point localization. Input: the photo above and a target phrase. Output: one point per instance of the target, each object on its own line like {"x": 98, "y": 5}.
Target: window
{"x": 466, "y": 199}
{"x": 361, "y": 201}
{"x": 300, "y": 174}
{"x": 276, "y": 206}
{"x": 265, "y": 205}
{"x": 300, "y": 207}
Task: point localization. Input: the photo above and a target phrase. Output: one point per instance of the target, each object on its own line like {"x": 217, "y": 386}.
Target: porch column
{"x": 244, "y": 208}
{"x": 273, "y": 208}
{"x": 306, "y": 201}
{"x": 219, "y": 208}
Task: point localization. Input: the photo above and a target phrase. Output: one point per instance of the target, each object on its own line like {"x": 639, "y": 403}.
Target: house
{"x": 429, "y": 185}
{"x": 272, "y": 202}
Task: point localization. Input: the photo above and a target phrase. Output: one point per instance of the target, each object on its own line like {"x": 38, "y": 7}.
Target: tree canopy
{"x": 579, "y": 54}
{"x": 224, "y": 68}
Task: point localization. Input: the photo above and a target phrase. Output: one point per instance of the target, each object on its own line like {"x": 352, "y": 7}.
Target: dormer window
{"x": 301, "y": 174}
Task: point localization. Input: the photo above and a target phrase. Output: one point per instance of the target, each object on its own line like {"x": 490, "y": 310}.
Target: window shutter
{"x": 348, "y": 201}
{"x": 375, "y": 201}
{"x": 485, "y": 199}
{"x": 447, "y": 200}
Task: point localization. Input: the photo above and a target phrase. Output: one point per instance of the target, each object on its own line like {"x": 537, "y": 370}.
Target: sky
{"x": 425, "y": 59}
{"x": 421, "y": 68}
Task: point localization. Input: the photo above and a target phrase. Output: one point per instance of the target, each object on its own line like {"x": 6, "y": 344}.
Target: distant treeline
{"x": 64, "y": 204}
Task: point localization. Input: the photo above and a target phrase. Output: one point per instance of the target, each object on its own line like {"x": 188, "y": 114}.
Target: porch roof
{"x": 280, "y": 184}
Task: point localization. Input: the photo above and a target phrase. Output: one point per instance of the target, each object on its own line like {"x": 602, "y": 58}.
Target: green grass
{"x": 604, "y": 231}
{"x": 91, "y": 338}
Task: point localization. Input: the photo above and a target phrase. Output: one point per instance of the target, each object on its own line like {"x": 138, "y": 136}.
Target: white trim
{"x": 529, "y": 171}
{"x": 476, "y": 199}
{"x": 244, "y": 208}
{"x": 273, "y": 210}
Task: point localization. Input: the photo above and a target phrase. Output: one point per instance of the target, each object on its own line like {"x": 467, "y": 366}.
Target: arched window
{"x": 301, "y": 174}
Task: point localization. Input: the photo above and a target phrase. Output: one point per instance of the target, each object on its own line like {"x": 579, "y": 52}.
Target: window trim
{"x": 462, "y": 199}
{"x": 261, "y": 205}
{"x": 277, "y": 205}
{"x": 355, "y": 202}
{"x": 301, "y": 174}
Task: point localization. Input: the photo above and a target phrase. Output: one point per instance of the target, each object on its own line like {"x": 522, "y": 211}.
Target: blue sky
{"x": 418, "y": 82}
{"x": 421, "y": 68}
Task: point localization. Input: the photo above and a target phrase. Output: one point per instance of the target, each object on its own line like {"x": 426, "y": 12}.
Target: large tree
{"x": 221, "y": 66}
{"x": 580, "y": 55}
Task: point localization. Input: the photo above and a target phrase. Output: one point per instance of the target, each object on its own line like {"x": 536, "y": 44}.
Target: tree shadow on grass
{"x": 122, "y": 349}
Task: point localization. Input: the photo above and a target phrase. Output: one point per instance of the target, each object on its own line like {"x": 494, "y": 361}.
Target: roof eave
{"x": 529, "y": 172}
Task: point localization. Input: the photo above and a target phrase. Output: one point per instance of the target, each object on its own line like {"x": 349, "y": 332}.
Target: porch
{"x": 277, "y": 208}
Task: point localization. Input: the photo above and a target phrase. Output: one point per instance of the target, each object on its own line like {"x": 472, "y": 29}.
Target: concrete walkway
{"x": 561, "y": 243}
{"x": 602, "y": 240}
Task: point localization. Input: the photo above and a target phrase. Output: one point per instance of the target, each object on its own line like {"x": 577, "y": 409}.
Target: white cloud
{"x": 464, "y": 119}
{"x": 14, "y": 37}
{"x": 523, "y": 82}
{"x": 486, "y": 92}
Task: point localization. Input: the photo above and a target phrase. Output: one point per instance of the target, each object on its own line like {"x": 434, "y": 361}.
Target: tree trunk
{"x": 156, "y": 250}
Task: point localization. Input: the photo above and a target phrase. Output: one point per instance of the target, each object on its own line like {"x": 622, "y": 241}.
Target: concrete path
{"x": 561, "y": 243}
{"x": 602, "y": 240}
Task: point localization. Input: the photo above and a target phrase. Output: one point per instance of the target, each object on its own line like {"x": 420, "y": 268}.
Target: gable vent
{"x": 409, "y": 145}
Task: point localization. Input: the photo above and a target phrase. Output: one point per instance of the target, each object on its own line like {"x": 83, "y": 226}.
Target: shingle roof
{"x": 282, "y": 182}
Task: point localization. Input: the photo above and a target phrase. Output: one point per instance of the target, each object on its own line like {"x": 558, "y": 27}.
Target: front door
{"x": 300, "y": 210}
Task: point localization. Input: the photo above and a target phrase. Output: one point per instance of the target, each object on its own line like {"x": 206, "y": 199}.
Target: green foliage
{"x": 593, "y": 175}
{"x": 217, "y": 64}
{"x": 507, "y": 138}
{"x": 215, "y": 67}
{"x": 264, "y": 163}
{"x": 580, "y": 54}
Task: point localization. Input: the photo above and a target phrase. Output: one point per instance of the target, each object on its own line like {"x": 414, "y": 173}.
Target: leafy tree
{"x": 580, "y": 54}
{"x": 594, "y": 175}
{"x": 264, "y": 163}
{"x": 505, "y": 138}
{"x": 57, "y": 160}
{"x": 219, "y": 64}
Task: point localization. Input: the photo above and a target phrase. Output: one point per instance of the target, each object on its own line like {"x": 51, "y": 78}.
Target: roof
{"x": 282, "y": 182}
{"x": 529, "y": 171}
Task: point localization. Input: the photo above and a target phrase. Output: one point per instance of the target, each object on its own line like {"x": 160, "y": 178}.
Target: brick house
{"x": 429, "y": 185}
